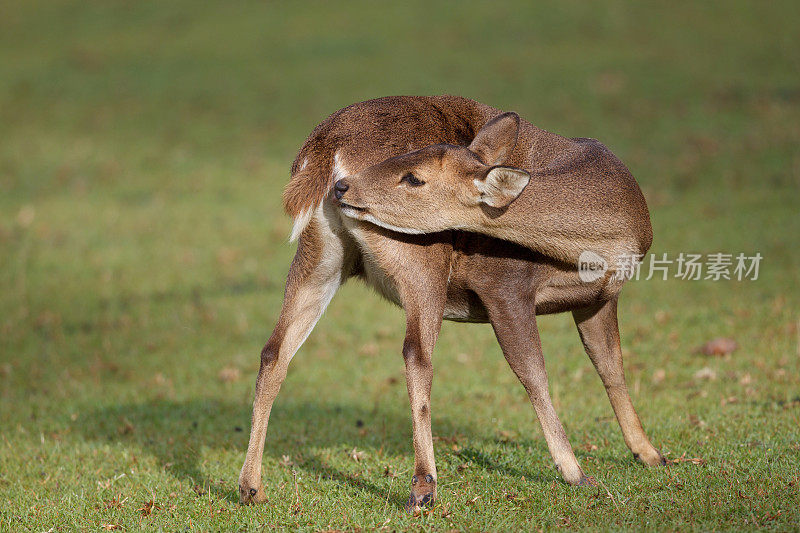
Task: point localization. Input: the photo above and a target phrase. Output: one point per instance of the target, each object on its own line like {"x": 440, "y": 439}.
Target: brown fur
{"x": 432, "y": 120}
{"x": 552, "y": 195}
{"x": 451, "y": 274}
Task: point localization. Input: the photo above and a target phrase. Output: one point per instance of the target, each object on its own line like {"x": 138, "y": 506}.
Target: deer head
{"x": 438, "y": 187}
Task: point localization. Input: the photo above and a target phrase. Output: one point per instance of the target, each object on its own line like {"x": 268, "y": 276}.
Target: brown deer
{"x": 347, "y": 194}
{"x": 583, "y": 199}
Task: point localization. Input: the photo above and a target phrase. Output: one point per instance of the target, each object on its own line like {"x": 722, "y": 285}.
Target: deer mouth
{"x": 363, "y": 214}
{"x": 351, "y": 210}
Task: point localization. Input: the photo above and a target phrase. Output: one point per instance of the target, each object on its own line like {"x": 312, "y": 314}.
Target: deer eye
{"x": 412, "y": 180}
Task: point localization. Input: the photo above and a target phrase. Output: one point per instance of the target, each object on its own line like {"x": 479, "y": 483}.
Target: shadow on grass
{"x": 485, "y": 462}
{"x": 173, "y": 432}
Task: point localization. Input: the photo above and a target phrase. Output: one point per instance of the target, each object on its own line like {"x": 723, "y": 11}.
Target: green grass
{"x": 143, "y": 150}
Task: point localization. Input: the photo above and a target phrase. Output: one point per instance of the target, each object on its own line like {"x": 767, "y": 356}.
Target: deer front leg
{"x": 316, "y": 272}
{"x": 514, "y": 324}
{"x": 600, "y": 335}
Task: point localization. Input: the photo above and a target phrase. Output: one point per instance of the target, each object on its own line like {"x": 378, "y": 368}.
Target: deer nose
{"x": 339, "y": 188}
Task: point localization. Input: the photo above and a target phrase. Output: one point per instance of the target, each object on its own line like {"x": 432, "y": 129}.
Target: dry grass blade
{"x": 692, "y": 460}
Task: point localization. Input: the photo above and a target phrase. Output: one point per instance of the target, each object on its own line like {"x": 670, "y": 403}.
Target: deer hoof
{"x": 573, "y": 475}
{"x": 651, "y": 458}
{"x": 423, "y": 494}
{"x": 249, "y": 495}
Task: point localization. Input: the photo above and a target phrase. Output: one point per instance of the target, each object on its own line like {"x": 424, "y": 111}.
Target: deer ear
{"x": 501, "y": 186}
{"x": 496, "y": 139}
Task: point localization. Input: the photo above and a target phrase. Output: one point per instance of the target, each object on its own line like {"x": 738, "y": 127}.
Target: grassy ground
{"x": 143, "y": 149}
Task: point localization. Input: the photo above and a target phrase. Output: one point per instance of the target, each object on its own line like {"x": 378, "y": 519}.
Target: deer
{"x": 457, "y": 211}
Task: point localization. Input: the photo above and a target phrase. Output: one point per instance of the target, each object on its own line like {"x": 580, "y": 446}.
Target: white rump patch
{"x": 300, "y": 223}
{"x": 339, "y": 171}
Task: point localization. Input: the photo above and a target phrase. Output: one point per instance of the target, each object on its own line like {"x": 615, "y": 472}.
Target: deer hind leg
{"x": 514, "y": 324}
{"x": 600, "y": 335}
{"x": 419, "y": 272}
{"x": 421, "y": 334}
{"x": 319, "y": 267}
